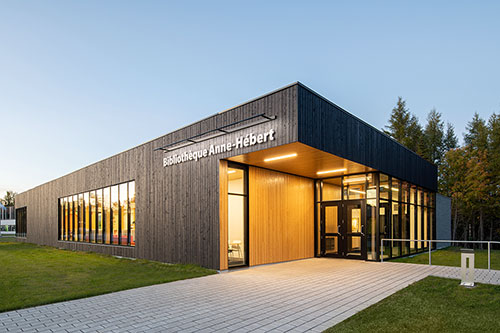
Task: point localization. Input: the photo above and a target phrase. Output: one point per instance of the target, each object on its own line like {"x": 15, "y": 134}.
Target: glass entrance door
{"x": 342, "y": 229}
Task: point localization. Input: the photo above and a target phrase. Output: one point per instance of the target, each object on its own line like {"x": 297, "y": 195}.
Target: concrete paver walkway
{"x": 299, "y": 296}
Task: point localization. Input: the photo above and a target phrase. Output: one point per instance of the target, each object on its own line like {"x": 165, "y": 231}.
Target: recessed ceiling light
{"x": 279, "y": 157}
{"x": 330, "y": 171}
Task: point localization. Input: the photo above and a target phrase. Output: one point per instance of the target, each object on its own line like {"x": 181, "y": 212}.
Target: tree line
{"x": 468, "y": 173}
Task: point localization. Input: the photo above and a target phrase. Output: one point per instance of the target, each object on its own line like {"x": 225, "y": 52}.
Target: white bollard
{"x": 467, "y": 272}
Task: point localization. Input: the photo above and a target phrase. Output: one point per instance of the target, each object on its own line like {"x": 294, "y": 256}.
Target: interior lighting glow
{"x": 279, "y": 157}
{"x": 330, "y": 171}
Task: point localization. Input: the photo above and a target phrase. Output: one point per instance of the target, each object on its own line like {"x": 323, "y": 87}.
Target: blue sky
{"x": 83, "y": 80}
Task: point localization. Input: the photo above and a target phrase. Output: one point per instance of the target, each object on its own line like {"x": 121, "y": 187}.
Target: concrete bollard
{"x": 467, "y": 272}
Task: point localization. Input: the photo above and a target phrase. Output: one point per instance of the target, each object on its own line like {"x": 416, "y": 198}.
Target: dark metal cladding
{"x": 325, "y": 126}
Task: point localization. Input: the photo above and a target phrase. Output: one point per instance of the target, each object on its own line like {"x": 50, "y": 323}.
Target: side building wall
{"x": 177, "y": 208}
{"x": 443, "y": 219}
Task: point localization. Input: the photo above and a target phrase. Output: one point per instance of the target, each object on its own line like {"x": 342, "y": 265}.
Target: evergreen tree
{"x": 433, "y": 137}
{"x": 477, "y": 134}
{"x": 450, "y": 140}
{"x": 399, "y": 121}
{"x": 404, "y": 127}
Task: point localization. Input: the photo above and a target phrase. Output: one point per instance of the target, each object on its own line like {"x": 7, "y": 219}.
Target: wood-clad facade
{"x": 181, "y": 209}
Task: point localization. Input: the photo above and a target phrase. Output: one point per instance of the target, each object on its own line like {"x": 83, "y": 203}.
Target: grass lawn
{"x": 33, "y": 275}
{"x": 450, "y": 256}
{"x": 430, "y": 305}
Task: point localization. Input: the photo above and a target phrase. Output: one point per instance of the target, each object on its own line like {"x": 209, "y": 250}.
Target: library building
{"x": 285, "y": 176}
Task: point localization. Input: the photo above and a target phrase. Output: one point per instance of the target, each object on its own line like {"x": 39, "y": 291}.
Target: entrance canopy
{"x": 302, "y": 160}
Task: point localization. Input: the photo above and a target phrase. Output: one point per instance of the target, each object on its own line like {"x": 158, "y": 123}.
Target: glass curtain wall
{"x": 237, "y": 215}
{"x": 102, "y": 216}
{"x": 395, "y": 209}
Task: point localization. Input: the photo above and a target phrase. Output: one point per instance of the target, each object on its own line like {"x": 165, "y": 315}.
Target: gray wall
{"x": 443, "y": 219}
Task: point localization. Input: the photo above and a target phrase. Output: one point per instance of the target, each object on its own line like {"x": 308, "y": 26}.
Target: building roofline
{"x": 296, "y": 83}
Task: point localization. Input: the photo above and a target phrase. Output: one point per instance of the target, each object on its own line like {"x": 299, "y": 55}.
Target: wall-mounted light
{"x": 330, "y": 171}
{"x": 231, "y": 171}
{"x": 279, "y": 157}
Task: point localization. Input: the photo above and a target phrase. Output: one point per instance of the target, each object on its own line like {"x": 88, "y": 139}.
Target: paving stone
{"x": 306, "y": 295}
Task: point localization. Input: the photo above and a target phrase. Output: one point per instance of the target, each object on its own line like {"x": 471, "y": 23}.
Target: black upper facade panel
{"x": 326, "y": 126}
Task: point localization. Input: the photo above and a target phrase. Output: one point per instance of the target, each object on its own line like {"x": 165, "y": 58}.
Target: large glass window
{"x": 395, "y": 222}
{"x": 80, "y": 217}
{"x": 104, "y": 215}
{"x": 66, "y": 221}
{"x": 371, "y": 229}
{"x": 93, "y": 225}
{"x": 413, "y": 226}
{"x": 131, "y": 200}
{"x": 115, "y": 214}
{"x": 100, "y": 217}
{"x": 237, "y": 215}
{"x": 355, "y": 187}
{"x": 124, "y": 214}
{"x": 107, "y": 215}
{"x": 400, "y": 211}
{"x": 70, "y": 213}
{"x": 86, "y": 202}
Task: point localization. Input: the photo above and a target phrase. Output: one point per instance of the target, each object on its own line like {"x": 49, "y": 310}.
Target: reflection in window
{"x": 384, "y": 221}
{"x": 101, "y": 216}
{"x": 114, "y": 214}
{"x": 131, "y": 199}
{"x": 384, "y": 186}
{"x": 395, "y": 229}
{"x": 413, "y": 226}
{"x": 70, "y": 213}
{"x": 371, "y": 192}
{"x": 107, "y": 215}
{"x": 75, "y": 217}
{"x": 371, "y": 229}
{"x": 355, "y": 187}
{"x": 92, "y": 217}
{"x": 124, "y": 214}
{"x": 332, "y": 189}
{"x": 395, "y": 189}
{"x": 404, "y": 228}
{"x": 419, "y": 226}
{"x": 237, "y": 206}
{"x": 86, "y": 221}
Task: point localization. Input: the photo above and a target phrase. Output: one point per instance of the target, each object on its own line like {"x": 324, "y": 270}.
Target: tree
{"x": 9, "y": 199}
{"x": 433, "y": 138}
{"x": 477, "y": 134}
{"x": 404, "y": 127}
{"x": 450, "y": 140}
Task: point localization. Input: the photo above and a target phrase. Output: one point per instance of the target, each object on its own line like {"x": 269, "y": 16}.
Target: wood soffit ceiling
{"x": 307, "y": 162}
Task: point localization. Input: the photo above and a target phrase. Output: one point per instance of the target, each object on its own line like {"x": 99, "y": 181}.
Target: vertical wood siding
{"x": 281, "y": 217}
{"x": 177, "y": 207}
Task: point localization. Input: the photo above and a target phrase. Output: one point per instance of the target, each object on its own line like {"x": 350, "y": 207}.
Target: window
{"x": 237, "y": 215}
{"x": 102, "y": 216}
{"x": 21, "y": 222}
{"x": 355, "y": 187}
{"x": 115, "y": 215}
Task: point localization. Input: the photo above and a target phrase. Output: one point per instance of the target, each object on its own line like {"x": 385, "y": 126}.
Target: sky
{"x": 83, "y": 80}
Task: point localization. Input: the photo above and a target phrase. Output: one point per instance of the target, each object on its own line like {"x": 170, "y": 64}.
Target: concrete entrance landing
{"x": 299, "y": 296}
